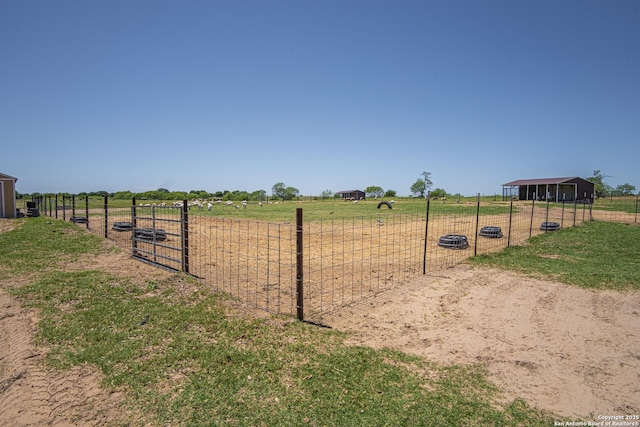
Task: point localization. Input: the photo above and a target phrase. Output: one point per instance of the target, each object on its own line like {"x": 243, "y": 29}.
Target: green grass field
{"x": 599, "y": 255}
{"x": 314, "y": 209}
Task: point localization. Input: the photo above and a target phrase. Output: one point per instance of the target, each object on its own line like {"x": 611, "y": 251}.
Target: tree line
{"x": 279, "y": 191}
{"x": 420, "y": 188}
{"x": 603, "y": 189}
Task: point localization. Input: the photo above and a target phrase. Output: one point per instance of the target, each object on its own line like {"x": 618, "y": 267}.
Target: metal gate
{"x": 159, "y": 235}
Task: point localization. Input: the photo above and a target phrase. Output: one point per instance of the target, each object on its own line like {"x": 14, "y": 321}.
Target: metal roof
{"x": 540, "y": 181}
{"x": 5, "y": 176}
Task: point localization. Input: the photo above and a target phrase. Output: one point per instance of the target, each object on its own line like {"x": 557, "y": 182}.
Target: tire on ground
{"x": 549, "y": 226}
{"x": 453, "y": 241}
{"x": 491, "y": 232}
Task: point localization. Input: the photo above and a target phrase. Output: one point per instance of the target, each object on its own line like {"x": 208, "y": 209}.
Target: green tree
{"x": 601, "y": 187}
{"x": 291, "y": 193}
{"x": 326, "y": 194}
{"x": 624, "y": 190}
{"x": 374, "y": 191}
{"x": 123, "y": 195}
{"x": 258, "y": 195}
{"x": 422, "y": 185}
{"x": 390, "y": 193}
{"x": 279, "y": 190}
{"x": 438, "y": 192}
{"x": 418, "y": 188}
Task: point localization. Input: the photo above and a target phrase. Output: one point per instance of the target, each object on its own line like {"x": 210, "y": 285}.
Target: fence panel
{"x": 253, "y": 260}
{"x": 349, "y": 259}
{"x": 344, "y": 260}
{"x": 157, "y": 235}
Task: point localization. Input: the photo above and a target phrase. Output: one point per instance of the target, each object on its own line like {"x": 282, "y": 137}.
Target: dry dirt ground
{"x": 572, "y": 351}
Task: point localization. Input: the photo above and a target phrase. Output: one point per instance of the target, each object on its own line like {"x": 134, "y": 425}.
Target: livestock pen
{"x": 306, "y": 264}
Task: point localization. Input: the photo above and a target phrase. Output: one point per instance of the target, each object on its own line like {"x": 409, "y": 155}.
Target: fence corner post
{"x": 185, "y": 236}
{"x": 299, "y": 266}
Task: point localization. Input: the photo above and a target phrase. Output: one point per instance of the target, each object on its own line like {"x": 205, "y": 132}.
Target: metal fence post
{"x": 106, "y": 217}
{"x": 533, "y": 204}
{"x": 510, "y": 219}
{"x": 133, "y": 228}
{"x": 426, "y": 235}
{"x": 299, "y": 266}
{"x": 56, "y": 205}
{"x": 475, "y": 243}
{"x": 546, "y": 218}
{"x": 185, "y": 236}
{"x": 636, "y": 219}
{"x": 86, "y": 208}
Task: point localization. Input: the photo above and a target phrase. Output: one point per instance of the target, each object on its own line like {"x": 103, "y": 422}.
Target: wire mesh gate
{"x": 159, "y": 235}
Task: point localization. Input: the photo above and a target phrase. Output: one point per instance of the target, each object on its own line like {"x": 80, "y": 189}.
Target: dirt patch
{"x": 564, "y": 349}
{"x": 7, "y": 225}
{"x": 32, "y": 394}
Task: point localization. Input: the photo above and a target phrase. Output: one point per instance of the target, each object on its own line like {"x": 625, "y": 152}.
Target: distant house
{"x": 7, "y": 196}
{"x": 352, "y": 194}
{"x": 552, "y": 189}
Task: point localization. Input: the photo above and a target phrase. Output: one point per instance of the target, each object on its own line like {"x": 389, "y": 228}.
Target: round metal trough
{"x": 453, "y": 241}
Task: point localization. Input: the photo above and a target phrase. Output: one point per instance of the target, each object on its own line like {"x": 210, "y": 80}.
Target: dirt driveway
{"x": 572, "y": 351}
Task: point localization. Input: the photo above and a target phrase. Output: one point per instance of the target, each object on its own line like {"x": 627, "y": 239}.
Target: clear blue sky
{"x": 333, "y": 94}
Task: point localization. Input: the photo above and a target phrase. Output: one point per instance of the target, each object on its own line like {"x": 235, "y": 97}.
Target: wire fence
{"x": 309, "y": 268}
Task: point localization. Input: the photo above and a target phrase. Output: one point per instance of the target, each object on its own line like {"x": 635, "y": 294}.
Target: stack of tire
{"x": 549, "y": 226}
{"x": 491, "y": 232}
{"x": 32, "y": 210}
{"x": 453, "y": 241}
{"x": 150, "y": 234}
{"x": 122, "y": 226}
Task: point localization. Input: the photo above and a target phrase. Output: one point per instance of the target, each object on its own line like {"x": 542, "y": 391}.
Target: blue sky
{"x": 321, "y": 95}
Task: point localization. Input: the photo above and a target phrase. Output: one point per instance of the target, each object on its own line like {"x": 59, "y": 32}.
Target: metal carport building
{"x": 567, "y": 189}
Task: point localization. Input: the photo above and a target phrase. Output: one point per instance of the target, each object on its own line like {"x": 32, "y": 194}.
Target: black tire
{"x": 151, "y": 234}
{"x": 549, "y": 226}
{"x": 79, "y": 219}
{"x": 33, "y": 212}
{"x": 491, "y": 232}
{"x": 122, "y": 226}
{"x": 453, "y": 241}
{"x": 387, "y": 204}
